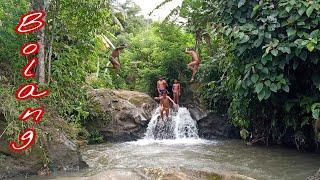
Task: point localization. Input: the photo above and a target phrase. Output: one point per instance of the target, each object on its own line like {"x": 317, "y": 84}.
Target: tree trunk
{"x": 41, "y": 5}
{"x": 41, "y": 56}
{"x": 55, "y": 5}
{"x": 49, "y": 60}
{"x": 50, "y": 47}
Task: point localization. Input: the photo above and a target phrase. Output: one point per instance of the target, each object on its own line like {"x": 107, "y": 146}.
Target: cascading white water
{"x": 180, "y": 125}
{"x": 185, "y": 126}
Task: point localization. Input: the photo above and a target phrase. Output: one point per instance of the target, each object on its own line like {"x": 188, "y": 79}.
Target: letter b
{"x": 30, "y": 22}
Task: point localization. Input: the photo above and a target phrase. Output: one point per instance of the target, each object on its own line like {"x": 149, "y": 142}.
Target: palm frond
{"x": 173, "y": 12}
{"x": 106, "y": 41}
{"x": 116, "y": 20}
{"x": 159, "y": 6}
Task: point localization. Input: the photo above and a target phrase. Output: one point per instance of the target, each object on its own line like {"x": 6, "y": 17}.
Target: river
{"x": 186, "y": 152}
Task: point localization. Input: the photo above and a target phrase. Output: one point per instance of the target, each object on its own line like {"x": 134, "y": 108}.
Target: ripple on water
{"x": 168, "y": 142}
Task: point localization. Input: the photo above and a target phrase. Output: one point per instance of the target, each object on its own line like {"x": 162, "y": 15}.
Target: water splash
{"x": 179, "y": 125}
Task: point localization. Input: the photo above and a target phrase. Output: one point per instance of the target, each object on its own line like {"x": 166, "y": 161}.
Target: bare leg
{"x": 194, "y": 71}
{"x": 167, "y": 112}
{"x": 191, "y": 65}
{"x": 194, "y": 67}
{"x": 161, "y": 113}
{"x": 116, "y": 64}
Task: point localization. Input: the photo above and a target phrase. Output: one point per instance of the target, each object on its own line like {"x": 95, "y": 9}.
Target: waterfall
{"x": 179, "y": 125}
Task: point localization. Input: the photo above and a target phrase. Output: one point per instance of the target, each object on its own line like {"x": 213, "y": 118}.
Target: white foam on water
{"x": 185, "y": 126}
{"x": 179, "y": 128}
{"x": 182, "y": 141}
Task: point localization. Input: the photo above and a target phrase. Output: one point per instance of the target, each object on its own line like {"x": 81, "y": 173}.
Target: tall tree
{"x": 42, "y": 6}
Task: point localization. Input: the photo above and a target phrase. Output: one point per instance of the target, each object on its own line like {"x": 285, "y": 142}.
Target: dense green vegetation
{"x": 266, "y": 60}
{"x": 77, "y": 58}
{"x": 260, "y": 60}
{"x": 71, "y": 42}
{"x": 10, "y": 63}
{"x": 157, "y": 51}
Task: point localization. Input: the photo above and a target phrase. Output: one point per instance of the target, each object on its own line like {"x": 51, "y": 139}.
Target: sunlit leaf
{"x": 254, "y": 78}
{"x": 258, "y": 87}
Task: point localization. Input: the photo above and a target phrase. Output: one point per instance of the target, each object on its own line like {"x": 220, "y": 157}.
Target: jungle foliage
{"x": 157, "y": 51}
{"x": 265, "y": 58}
{"x": 75, "y": 61}
{"x": 77, "y": 57}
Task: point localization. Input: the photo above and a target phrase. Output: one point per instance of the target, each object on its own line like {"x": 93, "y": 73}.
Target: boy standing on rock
{"x": 176, "y": 91}
{"x": 162, "y": 85}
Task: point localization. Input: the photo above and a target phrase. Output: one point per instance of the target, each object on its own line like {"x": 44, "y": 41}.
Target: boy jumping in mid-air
{"x": 114, "y": 58}
{"x": 194, "y": 65}
{"x": 164, "y": 104}
{"x": 176, "y": 91}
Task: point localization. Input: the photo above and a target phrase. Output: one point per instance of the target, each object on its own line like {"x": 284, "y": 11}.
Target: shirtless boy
{"x": 114, "y": 58}
{"x": 164, "y": 104}
{"x": 194, "y": 65}
{"x": 176, "y": 91}
{"x": 162, "y": 86}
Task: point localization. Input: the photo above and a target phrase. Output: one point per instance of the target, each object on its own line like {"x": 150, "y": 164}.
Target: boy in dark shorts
{"x": 162, "y": 85}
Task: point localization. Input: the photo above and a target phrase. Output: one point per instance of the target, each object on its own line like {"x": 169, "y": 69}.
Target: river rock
{"x": 315, "y": 177}
{"x": 217, "y": 126}
{"x": 196, "y": 112}
{"x": 119, "y": 115}
{"x": 160, "y": 174}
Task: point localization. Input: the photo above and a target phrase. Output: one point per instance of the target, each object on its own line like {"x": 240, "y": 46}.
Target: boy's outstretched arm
{"x": 172, "y": 101}
{"x": 158, "y": 87}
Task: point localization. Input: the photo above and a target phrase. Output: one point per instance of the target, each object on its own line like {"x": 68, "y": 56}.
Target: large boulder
{"x": 119, "y": 115}
{"x": 217, "y": 126}
{"x": 191, "y": 98}
{"x": 197, "y": 112}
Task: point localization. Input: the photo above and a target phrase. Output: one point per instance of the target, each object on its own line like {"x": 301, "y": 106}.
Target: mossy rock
{"x": 119, "y": 114}
{"x": 139, "y": 100}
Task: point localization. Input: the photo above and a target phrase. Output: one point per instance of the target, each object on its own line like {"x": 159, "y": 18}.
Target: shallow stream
{"x": 183, "y": 150}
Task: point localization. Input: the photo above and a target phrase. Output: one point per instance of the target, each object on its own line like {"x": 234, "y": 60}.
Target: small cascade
{"x": 179, "y": 125}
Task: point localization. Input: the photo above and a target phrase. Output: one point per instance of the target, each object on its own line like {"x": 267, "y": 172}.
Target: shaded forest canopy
{"x": 260, "y": 60}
